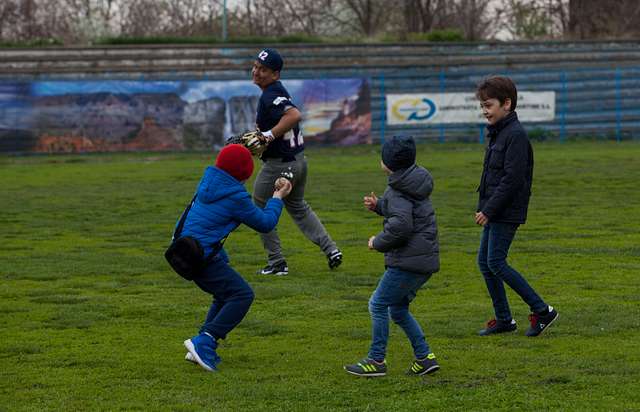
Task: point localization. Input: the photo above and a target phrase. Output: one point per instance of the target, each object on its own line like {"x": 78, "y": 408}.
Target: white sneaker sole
{"x": 189, "y": 357}
{"x": 430, "y": 370}
{"x": 548, "y": 324}
{"x": 192, "y": 350}
{"x": 274, "y": 273}
{"x": 368, "y": 375}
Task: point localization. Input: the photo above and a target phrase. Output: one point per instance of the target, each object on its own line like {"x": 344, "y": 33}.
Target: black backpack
{"x": 185, "y": 254}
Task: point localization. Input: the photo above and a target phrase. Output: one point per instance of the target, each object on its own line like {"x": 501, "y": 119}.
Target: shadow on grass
{"x": 357, "y": 280}
{"x": 60, "y": 299}
{"x": 22, "y": 349}
{"x": 258, "y": 327}
{"x": 80, "y": 316}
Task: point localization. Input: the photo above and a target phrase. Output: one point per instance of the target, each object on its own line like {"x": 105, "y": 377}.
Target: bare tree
{"x": 28, "y": 10}
{"x": 143, "y": 18}
{"x": 27, "y": 20}
{"x": 191, "y": 17}
{"x": 592, "y": 19}
{"x": 79, "y": 21}
{"x": 421, "y": 16}
{"x": 305, "y": 15}
{"x": 474, "y": 19}
{"x": 280, "y": 17}
{"x": 262, "y": 18}
{"x": 526, "y": 19}
{"x": 9, "y": 16}
{"x": 90, "y": 19}
{"x": 365, "y": 17}
{"x": 559, "y": 13}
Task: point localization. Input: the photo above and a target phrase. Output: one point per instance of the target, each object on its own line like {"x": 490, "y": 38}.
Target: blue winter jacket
{"x": 222, "y": 204}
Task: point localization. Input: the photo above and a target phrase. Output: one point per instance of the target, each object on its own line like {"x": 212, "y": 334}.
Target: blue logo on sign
{"x": 414, "y": 109}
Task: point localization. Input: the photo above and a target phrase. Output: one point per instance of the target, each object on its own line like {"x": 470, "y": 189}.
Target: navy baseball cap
{"x": 271, "y": 59}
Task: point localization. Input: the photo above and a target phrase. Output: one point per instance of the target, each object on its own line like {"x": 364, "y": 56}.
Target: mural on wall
{"x": 114, "y": 115}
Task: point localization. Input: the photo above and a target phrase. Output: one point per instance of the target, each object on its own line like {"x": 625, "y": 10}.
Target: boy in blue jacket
{"x": 222, "y": 203}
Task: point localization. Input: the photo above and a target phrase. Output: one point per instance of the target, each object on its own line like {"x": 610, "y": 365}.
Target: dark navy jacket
{"x": 505, "y": 186}
{"x": 222, "y": 204}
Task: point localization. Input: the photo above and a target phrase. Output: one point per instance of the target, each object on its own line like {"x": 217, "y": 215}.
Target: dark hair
{"x": 498, "y": 87}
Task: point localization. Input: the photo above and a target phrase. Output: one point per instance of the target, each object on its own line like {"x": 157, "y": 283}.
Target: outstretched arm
{"x": 264, "y": 220}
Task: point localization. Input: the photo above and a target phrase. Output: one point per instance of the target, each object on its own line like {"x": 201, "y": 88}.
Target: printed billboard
{"x": 429, "y": 108}
{"x": 116, "y": 115}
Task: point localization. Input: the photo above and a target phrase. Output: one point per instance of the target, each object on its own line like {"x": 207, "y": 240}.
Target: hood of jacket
{"x": 414, "y": 181}
{"x": 216, "y": 184}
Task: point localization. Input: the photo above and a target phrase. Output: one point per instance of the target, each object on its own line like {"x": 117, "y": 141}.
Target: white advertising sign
{"x": 404, "y": 109}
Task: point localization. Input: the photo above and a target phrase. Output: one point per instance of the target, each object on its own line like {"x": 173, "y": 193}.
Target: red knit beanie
{"x": 236, "y": 160}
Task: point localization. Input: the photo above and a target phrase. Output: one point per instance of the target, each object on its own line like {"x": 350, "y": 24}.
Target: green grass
{"x": 92, "y": 318}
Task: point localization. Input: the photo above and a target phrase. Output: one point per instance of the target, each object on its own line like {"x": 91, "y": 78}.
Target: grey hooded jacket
{"x": 409, "y": 238}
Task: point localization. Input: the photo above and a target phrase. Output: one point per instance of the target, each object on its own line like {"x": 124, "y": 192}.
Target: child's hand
{"x": 279, "y": 183}
{"x": 481, "y": 219}
{"x": 283, "y": 188}
{"x": 371, "y": 242}
{"x": 370, "y": 202}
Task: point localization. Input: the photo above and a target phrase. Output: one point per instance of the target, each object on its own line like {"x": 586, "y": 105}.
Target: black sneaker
{"x": 367, "y": 367}
{"x": 498, "y": 326}
{"x": 279, "y": 269}
{"x": 424, "y": 366}
{"x": 541, "y": 322}
{"x": 334, "y": 259}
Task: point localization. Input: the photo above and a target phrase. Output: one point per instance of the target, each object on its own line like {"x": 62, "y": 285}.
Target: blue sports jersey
{"x": 275, "y": 100}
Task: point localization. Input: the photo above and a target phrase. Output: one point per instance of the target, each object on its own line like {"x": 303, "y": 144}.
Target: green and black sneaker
{"x": 424, "y": 366}
{"x": 367, "y": 367}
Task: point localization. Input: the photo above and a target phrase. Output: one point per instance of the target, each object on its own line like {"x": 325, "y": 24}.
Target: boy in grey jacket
{"x": 409, "y": 240}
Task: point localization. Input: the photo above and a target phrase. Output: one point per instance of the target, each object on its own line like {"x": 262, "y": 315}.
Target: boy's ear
{"x": 507, "y": 104}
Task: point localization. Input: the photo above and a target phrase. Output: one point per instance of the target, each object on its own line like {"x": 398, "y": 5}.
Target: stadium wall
{"x": 596, "y": 84}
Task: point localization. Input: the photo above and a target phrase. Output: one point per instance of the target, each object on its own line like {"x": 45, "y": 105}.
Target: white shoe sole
{"x": 189, "y": 357}
{"x": 547, "y": 327}
{"x": 430, "y": 370}
{"x": 274, "y": 274}
{"x": 192, "y": 350}
{"x": 368, "y": 375}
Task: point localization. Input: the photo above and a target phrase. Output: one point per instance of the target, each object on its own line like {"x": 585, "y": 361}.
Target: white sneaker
{"x": 189, "y": 357}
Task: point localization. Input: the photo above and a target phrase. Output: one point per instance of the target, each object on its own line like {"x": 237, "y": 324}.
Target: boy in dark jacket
{"x": 221, "y": 205}
{"x": 504, "y": 191}
{"x": 409, "y": 240}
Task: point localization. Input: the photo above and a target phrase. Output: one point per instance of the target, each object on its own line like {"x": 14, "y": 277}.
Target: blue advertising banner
{"x": 115, "y": 115}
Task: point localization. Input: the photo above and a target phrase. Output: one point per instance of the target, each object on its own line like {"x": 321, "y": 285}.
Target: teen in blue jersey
{"x": 278, "y": 119}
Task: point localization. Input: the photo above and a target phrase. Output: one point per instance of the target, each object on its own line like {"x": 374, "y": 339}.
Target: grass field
{"x": 92, "y": 318}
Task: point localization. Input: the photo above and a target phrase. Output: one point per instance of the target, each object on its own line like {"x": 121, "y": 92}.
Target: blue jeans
{"x": 396, "y": 290}
{"x": 232, "y": 297}
{"x": 492, "y": 260}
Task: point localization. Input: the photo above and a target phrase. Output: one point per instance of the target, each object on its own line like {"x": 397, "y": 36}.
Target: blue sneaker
{"x": 203, "y": 351}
